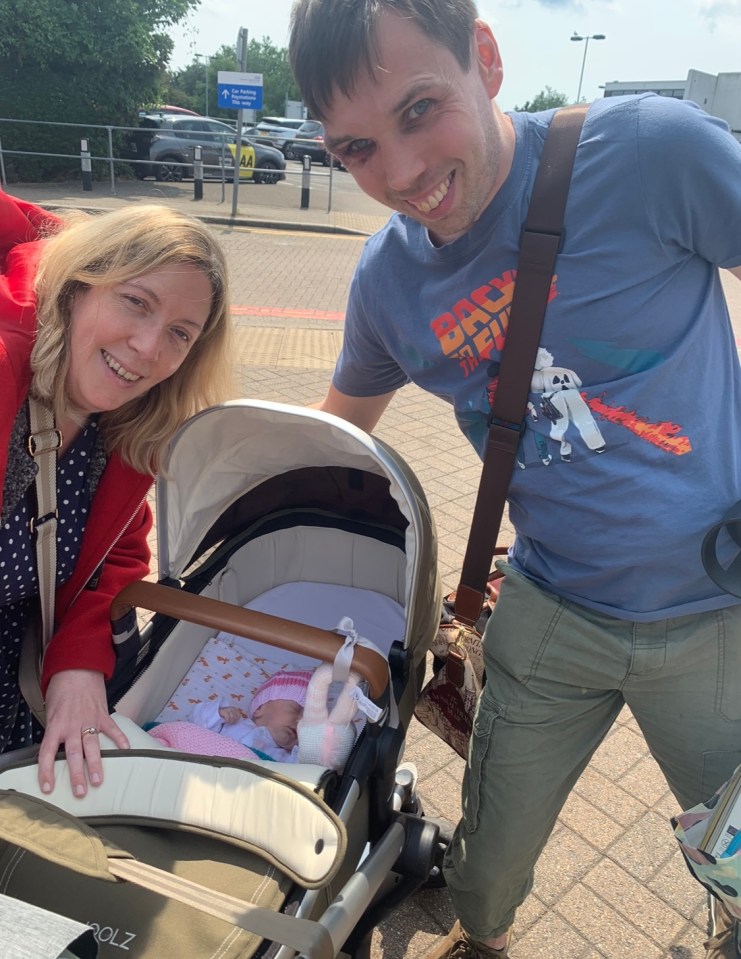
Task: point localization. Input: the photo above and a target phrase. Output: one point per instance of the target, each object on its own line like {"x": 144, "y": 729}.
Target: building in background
{"x": 720, "y": 95}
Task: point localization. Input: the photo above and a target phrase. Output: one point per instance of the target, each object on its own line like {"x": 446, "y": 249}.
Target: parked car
{"x": 280, "y": 130}
{"x": 309, "y": 141}
{"x": 168, "y": 108}
{"x": 251, "y": 133}
{"x": 165, "y": 145}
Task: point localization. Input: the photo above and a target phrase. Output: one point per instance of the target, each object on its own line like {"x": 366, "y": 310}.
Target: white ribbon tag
{"x": 366, "y": 706}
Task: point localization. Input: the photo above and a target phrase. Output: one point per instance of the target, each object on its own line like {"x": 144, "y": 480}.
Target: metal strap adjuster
{"x": 492, "y": 420}
{"x": 36, "y": 521}
{"x": 45, "y": 441}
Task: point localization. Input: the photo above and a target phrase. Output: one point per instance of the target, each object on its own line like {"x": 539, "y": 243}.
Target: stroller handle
{"x": 262, "y": 627}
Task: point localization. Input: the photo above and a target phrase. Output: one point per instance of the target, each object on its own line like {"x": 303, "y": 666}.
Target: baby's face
{"x": 281, "y": 717}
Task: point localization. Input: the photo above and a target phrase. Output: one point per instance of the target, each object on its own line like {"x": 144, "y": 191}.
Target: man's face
{"x": 420, "y": 134}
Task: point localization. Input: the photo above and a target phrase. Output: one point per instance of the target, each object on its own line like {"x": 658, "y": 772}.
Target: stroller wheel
{"x": 436, "y": 879}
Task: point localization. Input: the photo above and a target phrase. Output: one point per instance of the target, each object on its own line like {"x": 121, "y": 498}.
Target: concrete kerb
{"x": 282, "y": 225}
{"x": 263, "y": 224}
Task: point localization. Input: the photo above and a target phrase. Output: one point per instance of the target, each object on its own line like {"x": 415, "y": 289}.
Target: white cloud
{"x": 719, "y": 12}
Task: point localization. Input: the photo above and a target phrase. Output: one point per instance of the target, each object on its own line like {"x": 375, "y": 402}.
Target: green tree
{"x": 546, "y": 100}
{"x": 187, "y": 87}
{"x": 79, "y": 62}
{"x": 277, "y": 79}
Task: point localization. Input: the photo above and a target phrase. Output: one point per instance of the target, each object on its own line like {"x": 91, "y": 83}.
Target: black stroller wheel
{"x": 436, "y": 879}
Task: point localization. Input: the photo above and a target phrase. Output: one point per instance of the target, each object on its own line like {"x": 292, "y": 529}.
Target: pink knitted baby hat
{"x": 286, "y": 685}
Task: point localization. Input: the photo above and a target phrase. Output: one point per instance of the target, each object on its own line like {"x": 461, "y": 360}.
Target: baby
{"x": 288, "y": 720}
{"x": 269, "y": 727}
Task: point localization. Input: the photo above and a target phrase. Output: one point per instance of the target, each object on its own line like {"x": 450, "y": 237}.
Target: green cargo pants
{"x": 558, "y": 674}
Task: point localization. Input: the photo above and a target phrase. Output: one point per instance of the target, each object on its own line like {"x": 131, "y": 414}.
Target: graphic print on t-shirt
{"x": 477, "y": 324}
{"x": 562, "y": 404}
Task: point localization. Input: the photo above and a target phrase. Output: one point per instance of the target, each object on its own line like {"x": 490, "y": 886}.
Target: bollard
{"x": 198, "y": 173}
{"x": 87, "y": 166}
{"x": 305, "y": 178}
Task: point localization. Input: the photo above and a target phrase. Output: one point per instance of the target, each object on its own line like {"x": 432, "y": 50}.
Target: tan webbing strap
{"x": 43, "y": 443}
{"x": 303, "y": 935}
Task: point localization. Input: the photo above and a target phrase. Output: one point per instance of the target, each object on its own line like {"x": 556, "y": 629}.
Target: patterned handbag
{"x": 719, "y": 873}
{"x": 447, "y": 703}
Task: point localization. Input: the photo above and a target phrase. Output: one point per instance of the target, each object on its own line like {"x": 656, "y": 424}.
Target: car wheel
{"x": 289, "y": 154}
{"x": 268, "y": 172}
{"x": 169, "y": 170}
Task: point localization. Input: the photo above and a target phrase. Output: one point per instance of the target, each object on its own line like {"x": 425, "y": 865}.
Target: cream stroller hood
{"x": 225, "y": 451}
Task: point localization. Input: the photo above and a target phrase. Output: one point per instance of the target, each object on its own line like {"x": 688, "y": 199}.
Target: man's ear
{"x": 488, "y": 58}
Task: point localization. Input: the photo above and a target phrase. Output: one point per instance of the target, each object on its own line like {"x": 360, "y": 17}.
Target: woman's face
{"x": 124, "y": 339}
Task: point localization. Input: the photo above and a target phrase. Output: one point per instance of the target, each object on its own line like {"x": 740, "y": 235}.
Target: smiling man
{"x": 633, "y": 444}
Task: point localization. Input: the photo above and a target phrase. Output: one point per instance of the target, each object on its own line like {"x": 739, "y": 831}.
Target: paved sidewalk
{"x": 611, "y": 882}
{"x": 259, "y": 205}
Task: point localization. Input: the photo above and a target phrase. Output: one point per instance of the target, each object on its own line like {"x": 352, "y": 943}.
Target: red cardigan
{"x": 119, "y": 519}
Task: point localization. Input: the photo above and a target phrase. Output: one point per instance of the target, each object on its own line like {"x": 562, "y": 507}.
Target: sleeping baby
{"x": 287, "y": 720}
{"x": 269, "y": 727}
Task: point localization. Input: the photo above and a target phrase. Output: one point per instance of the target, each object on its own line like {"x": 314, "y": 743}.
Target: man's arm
{"x": 361, "y": 411}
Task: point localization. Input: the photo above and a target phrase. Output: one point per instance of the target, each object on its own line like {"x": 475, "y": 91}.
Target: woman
{"x": 119, "y": 324}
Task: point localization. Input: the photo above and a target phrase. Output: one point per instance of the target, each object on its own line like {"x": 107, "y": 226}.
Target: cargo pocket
{"x": 473, "y": 777}
{"x": 729, "y": 664}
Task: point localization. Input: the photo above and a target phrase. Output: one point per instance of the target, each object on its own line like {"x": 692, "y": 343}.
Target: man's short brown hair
{"x": 331, "y": 41}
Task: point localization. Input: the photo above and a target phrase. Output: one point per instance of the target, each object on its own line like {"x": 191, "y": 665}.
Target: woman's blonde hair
{"x": 104, "y": 250}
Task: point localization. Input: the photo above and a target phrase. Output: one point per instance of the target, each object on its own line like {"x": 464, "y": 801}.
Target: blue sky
{"x": 645, "y": 39}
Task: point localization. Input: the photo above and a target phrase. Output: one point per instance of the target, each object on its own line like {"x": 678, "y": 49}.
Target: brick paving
{"x": 611, "y": 883}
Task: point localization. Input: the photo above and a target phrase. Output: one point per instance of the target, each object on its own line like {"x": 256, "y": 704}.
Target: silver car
{"x": 164, "y": 146}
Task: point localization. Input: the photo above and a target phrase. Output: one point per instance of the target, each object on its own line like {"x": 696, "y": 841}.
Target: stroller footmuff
{"x": 192, "y": 837}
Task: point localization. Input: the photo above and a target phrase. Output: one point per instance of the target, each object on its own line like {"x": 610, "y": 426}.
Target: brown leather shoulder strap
{"x": 541, "y": 240}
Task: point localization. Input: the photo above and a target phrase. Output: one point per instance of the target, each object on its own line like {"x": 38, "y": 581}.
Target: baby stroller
{"x": 306, "y": 521}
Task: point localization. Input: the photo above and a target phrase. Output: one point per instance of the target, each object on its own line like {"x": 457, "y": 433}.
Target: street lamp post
{"x": 207, "y": 61}
{"x": 576, "y": 37}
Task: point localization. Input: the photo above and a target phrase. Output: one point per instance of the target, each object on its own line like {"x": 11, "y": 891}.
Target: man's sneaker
{"x": 459, "y": 945}
{"x": 725, "y": 939}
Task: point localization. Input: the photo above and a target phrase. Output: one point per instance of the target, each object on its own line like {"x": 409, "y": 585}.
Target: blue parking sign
{"x": 240, "y": 91}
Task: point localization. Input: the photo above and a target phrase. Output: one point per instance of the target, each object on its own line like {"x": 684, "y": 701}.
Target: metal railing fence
{"x": 110, "y": 145}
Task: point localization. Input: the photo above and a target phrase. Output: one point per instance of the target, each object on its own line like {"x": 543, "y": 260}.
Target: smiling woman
{"x": 147, "y": 270}
{"x": 115, "y": 327}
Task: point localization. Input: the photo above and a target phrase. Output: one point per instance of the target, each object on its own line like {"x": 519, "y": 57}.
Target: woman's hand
{"x": 76, "y": 711}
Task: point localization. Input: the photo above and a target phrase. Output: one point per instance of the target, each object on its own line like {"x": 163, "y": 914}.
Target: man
{"x": 605, "y": 600}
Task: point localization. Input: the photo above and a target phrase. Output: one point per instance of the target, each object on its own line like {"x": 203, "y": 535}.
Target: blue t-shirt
{"x": 631, "y": 449}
